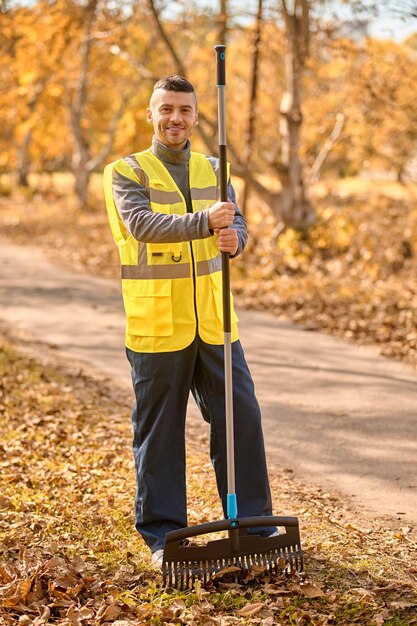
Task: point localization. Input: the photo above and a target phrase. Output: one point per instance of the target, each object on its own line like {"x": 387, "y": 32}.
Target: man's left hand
{"x": 227, "y": 240}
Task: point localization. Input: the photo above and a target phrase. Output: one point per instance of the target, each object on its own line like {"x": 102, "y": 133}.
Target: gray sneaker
{"x": 156, "y": 558}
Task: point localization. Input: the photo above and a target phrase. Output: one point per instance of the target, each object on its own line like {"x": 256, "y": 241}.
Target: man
{"x": 170, "y": 229}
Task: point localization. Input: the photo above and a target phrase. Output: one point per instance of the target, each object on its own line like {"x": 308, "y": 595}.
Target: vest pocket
{"x": 163, "y": 253}
{"x": 217, "y": 291}
{"x": 149, "y": 309}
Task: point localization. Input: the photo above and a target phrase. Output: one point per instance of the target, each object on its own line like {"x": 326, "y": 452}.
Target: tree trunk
{"x": 81, "y": 181}
{"x": 23, "y": 152}
{"x": 83, "y": 162}
{"x": 252, "y": 104}
{"x": 81, "y": 151}
{"x": 23, "y": 162}
{"x": 297, "y": 210}
{"x": 223, "y": 22}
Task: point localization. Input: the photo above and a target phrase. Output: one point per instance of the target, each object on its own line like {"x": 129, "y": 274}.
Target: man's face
{"x": 173, "y": 115}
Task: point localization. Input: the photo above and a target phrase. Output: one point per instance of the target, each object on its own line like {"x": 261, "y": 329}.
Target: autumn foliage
{"x": 76, "y": 78}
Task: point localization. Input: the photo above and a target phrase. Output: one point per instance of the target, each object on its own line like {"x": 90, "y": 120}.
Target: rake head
{"x": 184, "y": 562}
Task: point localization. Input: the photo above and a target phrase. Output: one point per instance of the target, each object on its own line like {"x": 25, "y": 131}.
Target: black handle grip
{"x": 221, "y": 64}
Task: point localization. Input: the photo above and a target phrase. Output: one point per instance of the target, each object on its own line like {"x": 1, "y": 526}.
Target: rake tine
{"x": 299, "y": 562}
{"x": 176, "y": 574}
{"x": 278, "y": 561}
{"x": 167, "y": 574}
{"x": 183, "y": 573}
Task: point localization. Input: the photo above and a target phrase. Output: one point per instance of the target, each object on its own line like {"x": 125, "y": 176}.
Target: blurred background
{"x": 321, "y": 128}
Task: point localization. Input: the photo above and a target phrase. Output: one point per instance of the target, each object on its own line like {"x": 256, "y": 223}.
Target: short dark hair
{"x": 174, "y": 82}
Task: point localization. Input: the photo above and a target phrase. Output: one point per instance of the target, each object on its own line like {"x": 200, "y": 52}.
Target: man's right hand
{"x": 221, "y": 215}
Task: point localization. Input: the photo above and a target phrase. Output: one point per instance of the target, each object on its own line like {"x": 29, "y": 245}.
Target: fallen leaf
{"x": 86, "y": 613}
{"x": 380, "y": 619}
{"x": 110, "y": 613}
{"x": 18, "y": 593}
{"x": 363, "y": 595}
{"x": 43, "y": 618}
{"x": 251, "y": 609}
{"x": 229, "y": 570}
{"x": 5, "y": 503}
{"x": 54, "y": 564}
{"x": 5, "y": 575}
{"x": 36, "y": 592}
{"x": 331, "y": 597}
{"x": 72, "y": 617}
{"x": 403, "y": 604}
{"x": 143, "y": 611}
{"x": 311, "y": 590}
{"x": 166, "y": 616}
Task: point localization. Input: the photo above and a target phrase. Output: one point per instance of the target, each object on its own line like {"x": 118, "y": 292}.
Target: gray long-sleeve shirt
{"x": 132, "y": 202}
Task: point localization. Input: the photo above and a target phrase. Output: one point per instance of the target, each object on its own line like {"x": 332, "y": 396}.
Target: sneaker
{"x": 156, "y": 558}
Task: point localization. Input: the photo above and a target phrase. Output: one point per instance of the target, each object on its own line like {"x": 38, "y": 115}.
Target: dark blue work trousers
{"x": 162, "y": 383}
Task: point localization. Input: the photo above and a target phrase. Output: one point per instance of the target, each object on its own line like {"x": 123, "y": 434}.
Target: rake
{"x": 185, "y": 561}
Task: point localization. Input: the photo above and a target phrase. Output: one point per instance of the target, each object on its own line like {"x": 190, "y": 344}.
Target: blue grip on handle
{"x": 231, "y": 506}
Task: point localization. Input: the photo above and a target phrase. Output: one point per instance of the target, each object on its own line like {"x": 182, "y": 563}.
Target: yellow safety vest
{"x": 171, "y": 291}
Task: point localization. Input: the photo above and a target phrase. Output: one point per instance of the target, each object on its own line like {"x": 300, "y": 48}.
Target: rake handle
{"x": 227, "y": 324}
{"x": 221, "y": 95}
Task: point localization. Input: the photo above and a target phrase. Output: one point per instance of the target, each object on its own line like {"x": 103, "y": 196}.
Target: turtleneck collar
{"x": 169, "y": 155}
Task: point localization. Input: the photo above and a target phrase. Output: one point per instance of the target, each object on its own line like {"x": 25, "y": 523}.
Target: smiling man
{"x": 173, "y": 115}
{"x": 170, "y": 229}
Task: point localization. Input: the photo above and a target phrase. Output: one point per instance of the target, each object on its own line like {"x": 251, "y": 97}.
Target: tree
{"x": 28, "y": 74}
{"x": 223, "y": 22}
{"x": 253, "y": 100}
{"x": 83, "y": 162}
{"x": 296, "y": 208}
{"x": 388, "y": 82}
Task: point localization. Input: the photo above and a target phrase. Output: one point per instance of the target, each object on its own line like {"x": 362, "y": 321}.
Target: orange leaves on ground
{"x": 17, "y": 592}
{"x": 69, "y": 554}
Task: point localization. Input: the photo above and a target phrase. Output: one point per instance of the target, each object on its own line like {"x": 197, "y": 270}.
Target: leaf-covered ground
{"x": 353, "y": 274}
{"x": 69, "y": 554}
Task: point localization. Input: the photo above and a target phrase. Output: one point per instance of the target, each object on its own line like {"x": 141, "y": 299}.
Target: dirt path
{"x": 338, "y": 414}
